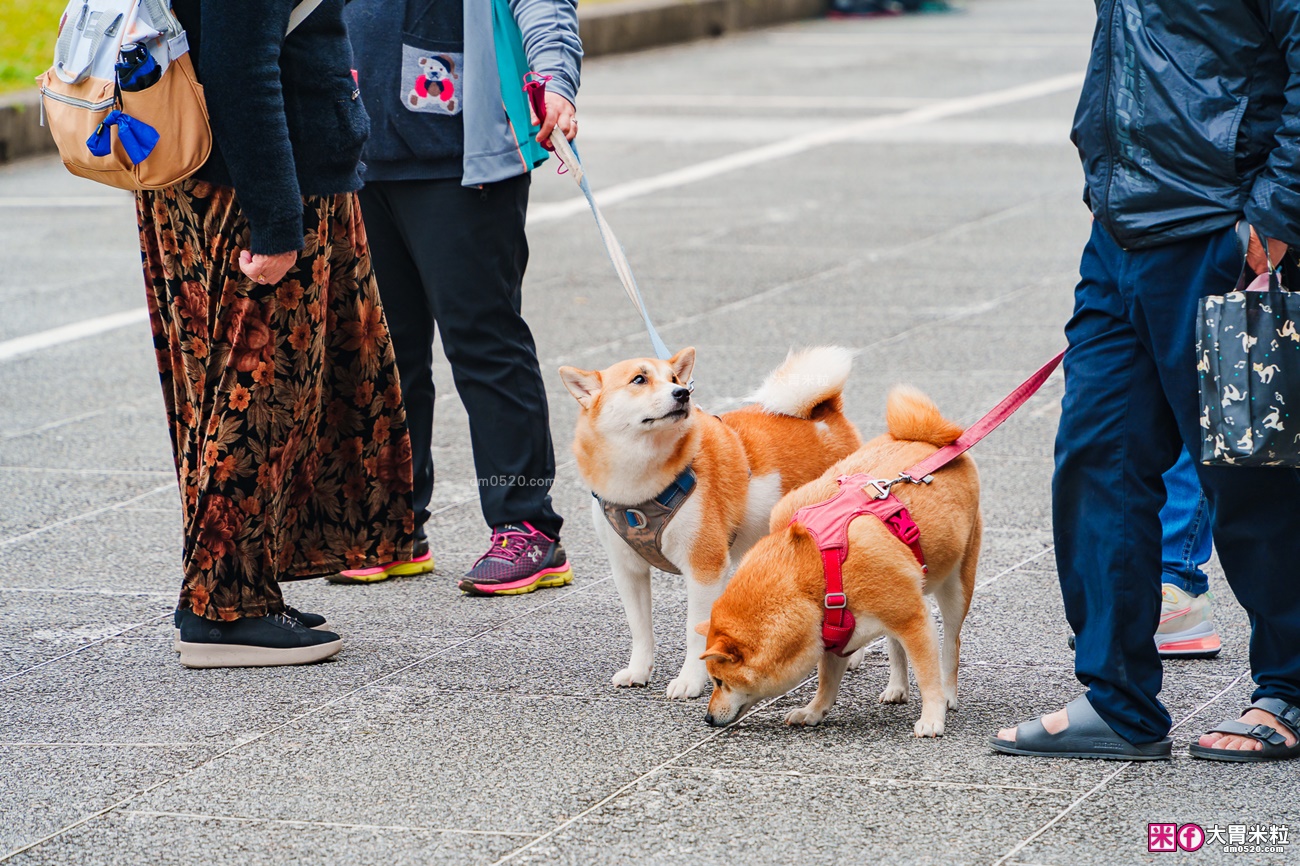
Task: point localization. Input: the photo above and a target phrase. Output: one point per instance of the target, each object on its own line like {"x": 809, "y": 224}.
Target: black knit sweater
{"x": 287, "y": 119}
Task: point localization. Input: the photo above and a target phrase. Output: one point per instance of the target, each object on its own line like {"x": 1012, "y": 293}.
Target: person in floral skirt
{"x": 283, "y": 399}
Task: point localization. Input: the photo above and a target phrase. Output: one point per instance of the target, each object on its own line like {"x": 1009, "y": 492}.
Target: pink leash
{"x": 828, "y": 521}
{"x": 921, "y": 472}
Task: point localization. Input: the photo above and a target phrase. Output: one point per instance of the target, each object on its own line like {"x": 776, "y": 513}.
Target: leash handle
{"x": 1274, "y": 281}
{"x": 535, "y": 87}
{"x": 984, "y": 426}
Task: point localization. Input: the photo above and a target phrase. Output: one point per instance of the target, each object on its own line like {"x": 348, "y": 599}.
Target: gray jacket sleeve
{"x": 550, "y": 30}
{"x": 1274, "y": 204}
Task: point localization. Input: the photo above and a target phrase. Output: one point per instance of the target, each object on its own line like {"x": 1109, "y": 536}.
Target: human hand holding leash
{"x": 561, "y": 115}
{"x": 267, "y": 270}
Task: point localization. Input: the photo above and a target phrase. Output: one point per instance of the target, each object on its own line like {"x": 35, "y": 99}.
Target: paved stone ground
{"x": 941, "y": 245}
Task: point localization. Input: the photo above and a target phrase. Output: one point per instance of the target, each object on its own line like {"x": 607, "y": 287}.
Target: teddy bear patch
{"x": 431, "y": 81}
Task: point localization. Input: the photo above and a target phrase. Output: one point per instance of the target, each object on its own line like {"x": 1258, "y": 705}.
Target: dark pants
{"x": 454, "y": 258}
{"x": 1130, "y": 404}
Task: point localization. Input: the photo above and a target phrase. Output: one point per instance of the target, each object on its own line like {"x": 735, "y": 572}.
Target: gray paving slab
{"x": 457, "y": 731}
{"x": 122, "y": 437}
{"x": 41, "y": 625}
{"x": 50, "y": 497}
{"x": 45, "y": 788}
{"x": 131, "y": 837}
{"x": 777, "y": 818}
{"x": 128, "y": 549}
{"x": 407, "y": 752}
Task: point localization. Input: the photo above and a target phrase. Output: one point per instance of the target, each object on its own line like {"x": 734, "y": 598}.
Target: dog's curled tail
{"x": 913, "y": 417}
{"x": 807, "y": 379}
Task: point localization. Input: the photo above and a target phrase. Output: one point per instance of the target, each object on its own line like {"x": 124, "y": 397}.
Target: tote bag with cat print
{"x": 1248, "y": 358}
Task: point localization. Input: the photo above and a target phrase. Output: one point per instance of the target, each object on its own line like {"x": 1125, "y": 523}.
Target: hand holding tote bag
{"x": 1248, "y": 360}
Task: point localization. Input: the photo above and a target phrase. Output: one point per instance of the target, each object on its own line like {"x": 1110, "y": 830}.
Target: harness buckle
{"x": 840, "y": 602}
{"x": 882, "y": 488}
{"x": 909, "y": 532}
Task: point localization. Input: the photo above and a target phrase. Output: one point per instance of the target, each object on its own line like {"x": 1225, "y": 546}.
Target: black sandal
{"x": 1274, "y": 747}
{"x": 1088, "y": 736}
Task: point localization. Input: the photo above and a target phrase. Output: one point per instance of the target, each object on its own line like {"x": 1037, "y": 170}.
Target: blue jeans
{"x": 1185, "y": 522}
{"x": 1130, "y": 397}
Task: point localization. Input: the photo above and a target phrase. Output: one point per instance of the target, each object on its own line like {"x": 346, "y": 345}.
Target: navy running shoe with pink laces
{"x": 521, "y": 559}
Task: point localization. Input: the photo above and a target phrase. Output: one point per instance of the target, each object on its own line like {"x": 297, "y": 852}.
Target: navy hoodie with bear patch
{"x": 410, "y": 59}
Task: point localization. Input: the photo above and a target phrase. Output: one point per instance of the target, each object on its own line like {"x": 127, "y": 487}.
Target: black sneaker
{"x": 311, "y": 620}
{"x": 252, "y": 642}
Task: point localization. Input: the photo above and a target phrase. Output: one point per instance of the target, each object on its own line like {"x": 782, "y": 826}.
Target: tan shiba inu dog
{"x": 640, "y": 444}
{"x": 765, "y": 633}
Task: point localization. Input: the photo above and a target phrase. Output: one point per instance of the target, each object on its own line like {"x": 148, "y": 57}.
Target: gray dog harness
{"x": 642, "y": 525}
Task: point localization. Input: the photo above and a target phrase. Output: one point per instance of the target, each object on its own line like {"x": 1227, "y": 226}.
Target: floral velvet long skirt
{"x": 283, "y": 400}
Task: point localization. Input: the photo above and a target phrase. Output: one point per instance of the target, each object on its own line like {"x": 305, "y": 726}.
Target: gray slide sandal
{"x": 1088, "y": 736}
{"x": 1273, "y": 742}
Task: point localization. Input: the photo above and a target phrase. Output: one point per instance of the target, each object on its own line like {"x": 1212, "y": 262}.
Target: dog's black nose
{"x": 681, "y": 395}
{"x": 708, "y": 720}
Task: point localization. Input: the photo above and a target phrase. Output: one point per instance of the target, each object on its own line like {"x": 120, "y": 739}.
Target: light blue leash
{"x": 568, "y": 155}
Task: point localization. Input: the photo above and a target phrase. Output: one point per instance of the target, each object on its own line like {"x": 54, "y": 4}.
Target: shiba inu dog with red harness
{"x": 688, "y": 492}
{"x": 851, "y": 557}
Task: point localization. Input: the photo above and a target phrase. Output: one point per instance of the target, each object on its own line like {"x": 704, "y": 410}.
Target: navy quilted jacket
{"x": 1190, "y": 118}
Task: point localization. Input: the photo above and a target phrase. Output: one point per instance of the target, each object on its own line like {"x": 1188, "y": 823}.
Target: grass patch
{"x": 27, "y": 32}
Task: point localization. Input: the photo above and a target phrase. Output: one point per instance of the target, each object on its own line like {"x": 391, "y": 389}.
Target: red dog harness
{"x": 828, "y": 522}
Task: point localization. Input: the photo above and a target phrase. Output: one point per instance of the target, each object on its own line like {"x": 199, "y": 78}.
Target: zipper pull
{"x": 42, "y": 107}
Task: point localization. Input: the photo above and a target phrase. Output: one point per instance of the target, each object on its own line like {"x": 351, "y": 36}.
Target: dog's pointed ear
{"x": 683, "y": 363}
{"x": 584, "y": 385}
{"x": 702, "y": 628}
{"x": 723, "y": 649}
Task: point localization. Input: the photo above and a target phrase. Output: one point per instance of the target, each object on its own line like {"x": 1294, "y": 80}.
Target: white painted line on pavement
{"x": 5, "y": 542}
{"x": 871, "y": 780}
{"x": 49, "y": 590}
{"x": 808, "y": 141}
{"x": 663, "y": 127}
{"x": 81, "y": 744}
{"x": 765, "y": 103}
{"x": 622, "y": 192}
{"x": 10, "y": 349}
{"x": 71, "y": 419}
{"x": 965, "y": 42}
{"x": 25, "y": 201}
{"x": 844, "y": 266}
{"x": 79, "y": 649}
{"x": 337, "y": 825}
{"x": 57, "y": 470}
{"x": 995, "y": 578}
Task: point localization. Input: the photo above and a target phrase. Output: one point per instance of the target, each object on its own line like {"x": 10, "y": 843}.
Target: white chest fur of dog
{"x": 638, "y": 431}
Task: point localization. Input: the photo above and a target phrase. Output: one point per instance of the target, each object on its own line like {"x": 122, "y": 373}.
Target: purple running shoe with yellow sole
{"x": 520, "y": 559}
